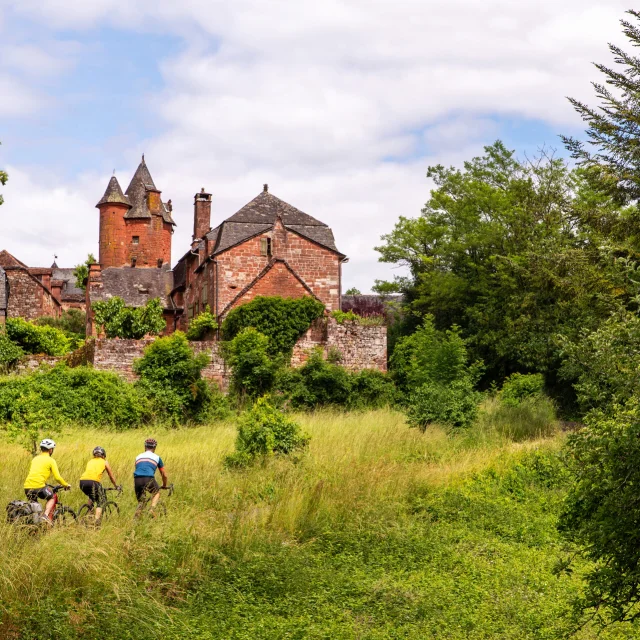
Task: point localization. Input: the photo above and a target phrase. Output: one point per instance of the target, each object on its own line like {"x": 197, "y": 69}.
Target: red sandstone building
{"x": 266, "y": 248}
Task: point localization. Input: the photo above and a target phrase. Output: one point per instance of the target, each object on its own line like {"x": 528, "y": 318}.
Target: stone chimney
{"x": 201, "y": 214}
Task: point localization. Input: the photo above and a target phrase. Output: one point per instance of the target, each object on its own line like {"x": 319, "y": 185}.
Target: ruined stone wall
{"x": 361, "y": 347}
{"x": 118, "y": 356}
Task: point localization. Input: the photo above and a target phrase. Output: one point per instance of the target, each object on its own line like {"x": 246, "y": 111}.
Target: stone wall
{"x": 28, "y": 298}
{"x": 361, "y": 347}
{"x": 118, "y": 355}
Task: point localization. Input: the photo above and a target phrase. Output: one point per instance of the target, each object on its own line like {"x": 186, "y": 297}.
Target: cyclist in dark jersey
{"x": 144, "y": 480}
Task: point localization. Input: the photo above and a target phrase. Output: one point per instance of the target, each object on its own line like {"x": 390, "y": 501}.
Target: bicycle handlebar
{"x": 118, "y": 489}
{"x": 56, "y": 487}
{"x": 169, "y": 489}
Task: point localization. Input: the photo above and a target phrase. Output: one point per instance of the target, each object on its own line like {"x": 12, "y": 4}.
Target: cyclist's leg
{"x": 47, "y": 494}
{"x": 100, "y": 498}
{"x": 139, "y": 485}
{"x": 154, "y": 489}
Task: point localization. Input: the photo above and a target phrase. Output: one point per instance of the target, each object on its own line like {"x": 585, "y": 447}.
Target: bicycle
{"x": 160, "y": 508}
{"x": 110, "y": 508}
{"x": 24, "y": 516}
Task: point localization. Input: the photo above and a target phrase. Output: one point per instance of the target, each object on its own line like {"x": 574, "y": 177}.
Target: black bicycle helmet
{"x": 99, "y": 451}
{"x": 150, "y": 443}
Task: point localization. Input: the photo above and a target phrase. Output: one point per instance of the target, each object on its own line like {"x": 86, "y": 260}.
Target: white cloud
{"x": 316, "y": 97}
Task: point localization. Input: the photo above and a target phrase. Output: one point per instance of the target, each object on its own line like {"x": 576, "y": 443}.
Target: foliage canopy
{"x": 117, "y": 320}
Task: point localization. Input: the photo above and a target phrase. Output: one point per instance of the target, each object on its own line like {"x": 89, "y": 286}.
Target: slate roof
{"x": 69, "y": 289}
{"x": 113, "y": 194}
{"x": 7, "y": 260}
{"x": 136, "y": 194}
{"x": 135, "y": 286}
{"x": 259, "y": 215}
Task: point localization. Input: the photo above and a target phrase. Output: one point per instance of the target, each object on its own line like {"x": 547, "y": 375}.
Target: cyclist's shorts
{"x": 95, "y": 491}
{"x": 144, "y": 484}
{"x": 44, "y": 493}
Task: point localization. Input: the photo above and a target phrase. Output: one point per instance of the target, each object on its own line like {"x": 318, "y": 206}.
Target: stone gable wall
{"x": 27, "y": 298}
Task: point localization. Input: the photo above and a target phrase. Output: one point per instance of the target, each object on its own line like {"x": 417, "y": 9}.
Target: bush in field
{"x": 119, "y": 321}
{"x": 519, "y": 387}
{"x": 282, "y": 320}
{"x": 454, "y": 404}
{"x": 34, "y": 339}
{"x": 431, "y": 356}
{"x": 202, "y": 325}
{"x": 39, "y": 402}
{"x": 171, "y": 375}
{"x": 264, "y": 431}
{"x": 602, "y": 511}
{"x": 10, "y": 352}
{"x": 321, "y": 383}
{"x": 253, "y": 369}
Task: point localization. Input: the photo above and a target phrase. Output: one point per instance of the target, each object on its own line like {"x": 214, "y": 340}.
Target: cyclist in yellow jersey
{"x": 91, "y": 480}
{"x": 43, "y": 466}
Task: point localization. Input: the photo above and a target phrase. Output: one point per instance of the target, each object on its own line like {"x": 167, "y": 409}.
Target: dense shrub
{"x": 119, "y": 321}
{"x": 34, "y": 339}
{"x": 264, "y": 431}
{"x": 320, "y": 383}
{"x": 602, "y": 511}
{"x": 454, "y": 404}
{"x": 39, "y": 402}
{"x": 282, "y": 320}
{"x": 10, "y": 352}
{"x": 604, "y": 363}
{"x": 431, "y": 356}
{"x": 253, "y": 370}
{"x": 519, "y": 387}
{"x": 171, "y": 375}
{"x": 202, "y": 325}
{"x": 72, "y": 323}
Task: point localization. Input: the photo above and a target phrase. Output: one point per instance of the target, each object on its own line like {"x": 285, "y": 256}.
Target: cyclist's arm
{"x": 165, "y": 479}
{"x": 56, "y": 474}
{"x": 107, "y": 468}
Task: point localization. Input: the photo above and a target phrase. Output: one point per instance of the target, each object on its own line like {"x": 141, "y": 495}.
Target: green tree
{"x": 613, "y": 128}
{"x": 353, "y": 291}
{"x": 81, "y": 271}
{"x": 117, "y": 320}
{"x": 510, "y": 252}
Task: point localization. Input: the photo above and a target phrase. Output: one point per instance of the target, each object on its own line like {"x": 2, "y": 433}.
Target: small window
{"x": 205, "y": 295}
{"x": 135, "y": 239}
{"x": 265, "y": 247}
{"x": 190, "y": 311}
{"x": 133, "y": 261}
{"x": 160, "y": 263}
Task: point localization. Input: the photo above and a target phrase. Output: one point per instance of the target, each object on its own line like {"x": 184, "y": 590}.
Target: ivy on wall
{"x": 282, "y": 320}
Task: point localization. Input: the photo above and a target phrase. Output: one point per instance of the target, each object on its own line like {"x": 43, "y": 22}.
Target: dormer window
{"x": 133, "y": 261}
{"x": 135, "y": 240}
{"x": 265, "y": 247}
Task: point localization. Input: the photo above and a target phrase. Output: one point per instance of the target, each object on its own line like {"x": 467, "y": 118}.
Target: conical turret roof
{"x": 137, "y": 194}
{"x": 114, "y": 194}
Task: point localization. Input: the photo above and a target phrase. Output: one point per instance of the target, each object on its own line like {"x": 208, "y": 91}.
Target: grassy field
{"x": 378, "y": 531}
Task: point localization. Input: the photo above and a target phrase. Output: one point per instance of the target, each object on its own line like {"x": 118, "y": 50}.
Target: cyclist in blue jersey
{"x": 144, "y": 480}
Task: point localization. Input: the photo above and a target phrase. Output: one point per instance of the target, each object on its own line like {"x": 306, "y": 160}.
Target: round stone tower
{"x": 113, "y": 207}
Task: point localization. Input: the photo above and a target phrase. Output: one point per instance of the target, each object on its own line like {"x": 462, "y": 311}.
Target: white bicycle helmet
{"x": 47, "y": 443}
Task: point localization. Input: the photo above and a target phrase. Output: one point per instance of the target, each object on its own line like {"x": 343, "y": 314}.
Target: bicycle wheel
{"x": 64, "y": 515}
{"x": 110, "y": 509}
{"x": 84, "y": 511}
{"x": 160, "y": 510}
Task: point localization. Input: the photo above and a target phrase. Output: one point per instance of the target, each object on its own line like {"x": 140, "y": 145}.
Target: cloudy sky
{"x": 339, "y": 105}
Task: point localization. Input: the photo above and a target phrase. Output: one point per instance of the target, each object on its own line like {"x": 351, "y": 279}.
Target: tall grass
{"x": 347, "y": 541}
